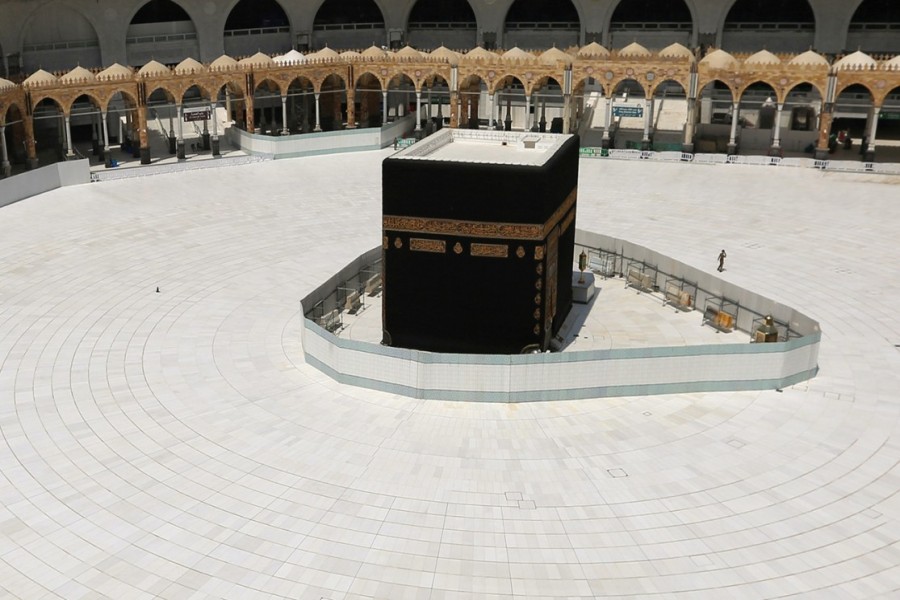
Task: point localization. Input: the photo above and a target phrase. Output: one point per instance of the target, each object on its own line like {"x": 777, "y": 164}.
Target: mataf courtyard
{"x": 175, "y": 444}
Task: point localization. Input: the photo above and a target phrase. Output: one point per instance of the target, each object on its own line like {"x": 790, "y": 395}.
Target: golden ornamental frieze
{"x": 428, "y": 245}
{"x": 489, "y": 250}
{"x": 476, "y": 229}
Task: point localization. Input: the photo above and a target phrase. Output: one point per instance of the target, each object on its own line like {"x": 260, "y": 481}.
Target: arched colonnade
{"x": 340, "y": 85}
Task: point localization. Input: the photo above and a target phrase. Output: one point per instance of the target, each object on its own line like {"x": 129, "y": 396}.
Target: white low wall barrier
{"x": 44, "y": 179}
{"x": 850, "y": 166}
{"x": 574, "y": 375}
{"x": 323, "y": 142}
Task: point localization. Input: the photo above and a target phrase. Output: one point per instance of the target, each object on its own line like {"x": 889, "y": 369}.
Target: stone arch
{"x": 549, "y": 103}
{"x": 93, "y": 98}
{"x": 803, "y": 103}
{"x": 673, "y": 21}
{"x": 48, "y": 115}
{"x": 161, "y": 30}
{"x": 433, "y": 23}
{"x": 127, "y": 96}
{"x": 267, "y": 114}
{"x": 7, "y": 109}
{"x": 437, "y": 93}
{"x": 588, "y": 84}
{"x": 333, "y": 102}
{"x": 563, "y": 29}
{"x": 203, "y": 89}
{"x": 511, "y": 101}
{"x": 472, "y": 107}
{"x": 300, "y": 96}
{"x": 11, "y": 117}
{"x": 401, "y": 90}
{"x": 256, "y": 26}
{"x": 230, "y": 95}
{"x": 854, "y": 104}
{"x": 778, "y": 25}
{"x": 56, "y": 37}
{"x": 875, "y": 27}
{"x": 669, "y": 114}
{"x": 628, "y": 85}
{"x": 350, "y": 24}
{"x": 368, "y": 89}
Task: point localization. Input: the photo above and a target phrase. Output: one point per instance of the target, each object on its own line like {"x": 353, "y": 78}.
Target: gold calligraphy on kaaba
{"x": 491, "y": 250}
{"x": 511, "y": 231}
{"x": 427, "y": 245}
{"x": 481, "y": 229}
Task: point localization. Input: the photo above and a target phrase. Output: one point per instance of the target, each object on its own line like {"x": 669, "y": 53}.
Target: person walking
{"x": 722, "y": 256}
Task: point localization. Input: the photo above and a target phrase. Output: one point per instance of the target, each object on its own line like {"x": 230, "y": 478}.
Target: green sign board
{"x": 625, "y": 110}
{"x": 889, "y": 116}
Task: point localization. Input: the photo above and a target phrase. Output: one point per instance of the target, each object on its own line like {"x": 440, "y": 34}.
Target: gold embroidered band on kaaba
{"x": 480, "y": 229}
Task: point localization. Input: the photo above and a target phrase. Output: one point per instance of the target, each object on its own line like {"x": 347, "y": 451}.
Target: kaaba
{"x": 478, "y": 241}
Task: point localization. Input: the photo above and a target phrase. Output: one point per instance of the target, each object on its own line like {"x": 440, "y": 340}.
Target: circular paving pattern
{"x": 175, "y": 445}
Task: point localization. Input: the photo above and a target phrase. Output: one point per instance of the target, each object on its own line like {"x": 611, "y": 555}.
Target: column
{"x": 204, "y": 137}
{"x": 143, "y": 139}
{"x": 607, "y": 123}
{"x": 107, "y": 159}
{"x": 171, "y": 132}
{"x": 869, "y": 151}
{"x": 215, "y": 130}
{"x": 567, "y": 107}
{"x": 418, "y": 110}
{"x": 527, "y": 112}
{"x": 464, "y": 110}
{"x": 250, "y": 121}
{"x": 318, "y": 126}
{"x": 454, "y": 108}
{"x": 491, "y": 110}
{"x": 5, "y": 168}
{"x": 440, "y": 114}
{"x": 825, "y": 119}
{"x": 648, "y": 116}
{"x": 687, "y": 145}
{"x": 30, "y": 149}
{"x": 384, "y": 107}
{"x": 95, "y": 135}
{"x": 775, "y": 149}
{"x": 228, "y": 104}
{"x": 543, "y": 122}
{"x": 180, "y": 141}
{"x": 284, "y": 121}
{"x": 351, "y": 108}
{"x": 70, "y": 151}
{"x": 507, "y": 122}
{"x": 732, "y": 137}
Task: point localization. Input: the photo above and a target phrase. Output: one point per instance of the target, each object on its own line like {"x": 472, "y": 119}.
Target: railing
{"x": 555, "y": 25}
{"x": 850, "y": 166}
{"x": 346, "y": 26}
{"x": 155, "y": 39}
{"x": 443, "y": 25}
{"x": 62, "y": 45}
{"x": 632, "y": 25}
{"x": 256, "y": 31}
{"x": 730, "y": 27}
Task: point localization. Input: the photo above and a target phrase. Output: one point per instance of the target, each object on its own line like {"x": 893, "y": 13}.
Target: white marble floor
{"x": 616, "y": 317}
{"x": 175, "y": 445}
